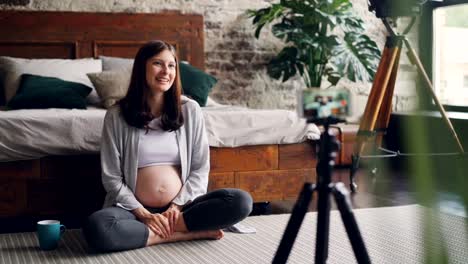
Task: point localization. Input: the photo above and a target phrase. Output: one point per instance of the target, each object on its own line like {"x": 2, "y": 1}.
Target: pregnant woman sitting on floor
{"x": 155, "y": 165}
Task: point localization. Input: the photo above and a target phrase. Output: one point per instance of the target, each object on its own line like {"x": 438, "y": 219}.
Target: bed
{"x": 273, "y": 167}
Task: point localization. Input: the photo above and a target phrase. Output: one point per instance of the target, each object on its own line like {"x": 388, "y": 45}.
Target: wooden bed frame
{"x": 58, "y": 185}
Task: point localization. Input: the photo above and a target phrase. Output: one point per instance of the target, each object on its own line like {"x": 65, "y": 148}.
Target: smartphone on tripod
{"x": 316, "y": 104}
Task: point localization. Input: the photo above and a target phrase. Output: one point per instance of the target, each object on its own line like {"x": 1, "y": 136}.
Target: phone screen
{"x": 317, "y": 103}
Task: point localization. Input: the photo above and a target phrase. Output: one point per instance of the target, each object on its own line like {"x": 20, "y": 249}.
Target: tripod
{"x": 376, "y": 115}
{"x": 327, "y": 152}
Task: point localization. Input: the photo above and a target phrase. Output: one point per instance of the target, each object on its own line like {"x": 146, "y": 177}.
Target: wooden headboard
{"x": 78, "y": 35}
{"x": 72, "y": 35}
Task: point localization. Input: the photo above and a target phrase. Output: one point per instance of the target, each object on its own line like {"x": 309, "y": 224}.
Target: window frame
{"x": 426, "y": 45}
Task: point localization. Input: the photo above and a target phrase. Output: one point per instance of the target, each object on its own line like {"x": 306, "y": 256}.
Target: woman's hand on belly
{"x": 158, "y": 185}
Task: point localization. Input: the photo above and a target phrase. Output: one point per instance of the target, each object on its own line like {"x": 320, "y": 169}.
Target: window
{"x": 447, "y": 52}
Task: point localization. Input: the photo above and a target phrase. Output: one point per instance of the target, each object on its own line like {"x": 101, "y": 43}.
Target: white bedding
{"x": 230, "y": 126}
{"x": 30, "y": 134}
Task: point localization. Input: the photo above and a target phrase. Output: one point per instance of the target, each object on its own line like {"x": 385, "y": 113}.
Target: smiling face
{"x": 161, "y": 72}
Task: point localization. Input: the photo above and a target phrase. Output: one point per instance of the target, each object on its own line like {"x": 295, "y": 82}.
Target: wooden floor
{"x": 373, "y": 191}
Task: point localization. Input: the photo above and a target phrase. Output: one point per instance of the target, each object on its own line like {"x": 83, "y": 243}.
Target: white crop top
{"x": 157, "y": 147}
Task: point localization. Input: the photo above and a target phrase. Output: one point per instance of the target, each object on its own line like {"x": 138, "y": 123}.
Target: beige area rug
{"x": 392, "y": 235}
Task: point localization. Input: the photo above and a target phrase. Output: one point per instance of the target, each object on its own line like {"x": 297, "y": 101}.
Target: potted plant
{"x": 314, "y": 48}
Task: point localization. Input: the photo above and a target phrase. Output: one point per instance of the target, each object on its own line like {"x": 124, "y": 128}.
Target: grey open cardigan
{"x": 119, "y": 157}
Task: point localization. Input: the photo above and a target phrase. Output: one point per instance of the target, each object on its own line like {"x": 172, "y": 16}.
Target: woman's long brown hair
{"x": 134, "y": 106}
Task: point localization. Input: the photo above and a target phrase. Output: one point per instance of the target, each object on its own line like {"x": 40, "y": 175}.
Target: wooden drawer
{"x": 249, "y": 158}
{"x": 23, "y": 169}
{"x": 73, "y": 196}
{"x": 47, "y": 196}
{"x": 71, "y": 167}
{"x": 297, "y": 156}
{"x": 14, "y": 198}
{"x": 220, "y": 180}
{"x": 274, "y": 185}
{"x": 346, "y": 134}
{"x": 346, "y": 152}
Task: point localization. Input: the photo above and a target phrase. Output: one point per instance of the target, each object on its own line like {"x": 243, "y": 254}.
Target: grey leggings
{"x": 116, "y": 229}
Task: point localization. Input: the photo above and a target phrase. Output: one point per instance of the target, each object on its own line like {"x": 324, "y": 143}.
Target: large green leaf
{"x": 356, "y": 58}
{"x": 342, "y": 12}
{"x": 338, "y": 6}
{"x": 284, "y": 64}
{"x": 350, "y": 23}
{"x": 298, "y": 5}
{"x": 287, "y": 30}
{"x": 265, "y": 16}
{"x": 333, "y": 76}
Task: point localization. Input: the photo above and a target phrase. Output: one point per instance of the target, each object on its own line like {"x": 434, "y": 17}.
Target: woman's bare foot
{"x": 184, "y": 236}
{"x": 218, "y": 234}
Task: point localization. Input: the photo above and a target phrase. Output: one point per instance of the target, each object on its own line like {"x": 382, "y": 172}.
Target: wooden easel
{"x": 376, "y": 115}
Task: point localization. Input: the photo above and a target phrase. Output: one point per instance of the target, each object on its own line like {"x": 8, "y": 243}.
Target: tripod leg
{"x": 379, "y": 87}
{"x": 386, "y": 109}
{"x": 323, "y": 224}
{"x": 344, "y": 206}
{"x": 294, "y": 224}
{"x": 415, "y": 60}
{"x": 384, "y": 115}
{"x": 354, "y": 167}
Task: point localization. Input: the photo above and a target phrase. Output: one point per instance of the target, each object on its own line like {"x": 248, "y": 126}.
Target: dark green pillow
{"x": 196, "y": 83}
{"x": 39, "y": 92}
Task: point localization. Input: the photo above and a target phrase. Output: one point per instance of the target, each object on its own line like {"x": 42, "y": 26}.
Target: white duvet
{"x": 30, "y": 134}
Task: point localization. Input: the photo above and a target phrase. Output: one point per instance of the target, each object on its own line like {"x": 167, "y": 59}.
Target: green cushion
{"x": 39, "y": 92}
{"x": 196, "y": 83}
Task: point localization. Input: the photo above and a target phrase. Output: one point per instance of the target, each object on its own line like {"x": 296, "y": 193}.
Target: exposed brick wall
{"x": 233, "y": 55}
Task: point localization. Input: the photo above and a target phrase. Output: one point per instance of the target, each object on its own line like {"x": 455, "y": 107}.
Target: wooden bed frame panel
{"x": 54, "y": 185}
{"x": 80, "y": 34}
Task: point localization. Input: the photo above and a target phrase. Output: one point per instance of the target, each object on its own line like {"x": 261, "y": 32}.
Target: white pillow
{"x": 68, "y": 70}
{"x": 211, "y": 102}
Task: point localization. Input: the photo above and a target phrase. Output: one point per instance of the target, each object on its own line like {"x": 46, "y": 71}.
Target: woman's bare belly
{"x": 157, "y": 186}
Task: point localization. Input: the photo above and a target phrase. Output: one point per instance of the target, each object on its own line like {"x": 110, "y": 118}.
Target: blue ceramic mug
{"x": 49, "y": 233}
